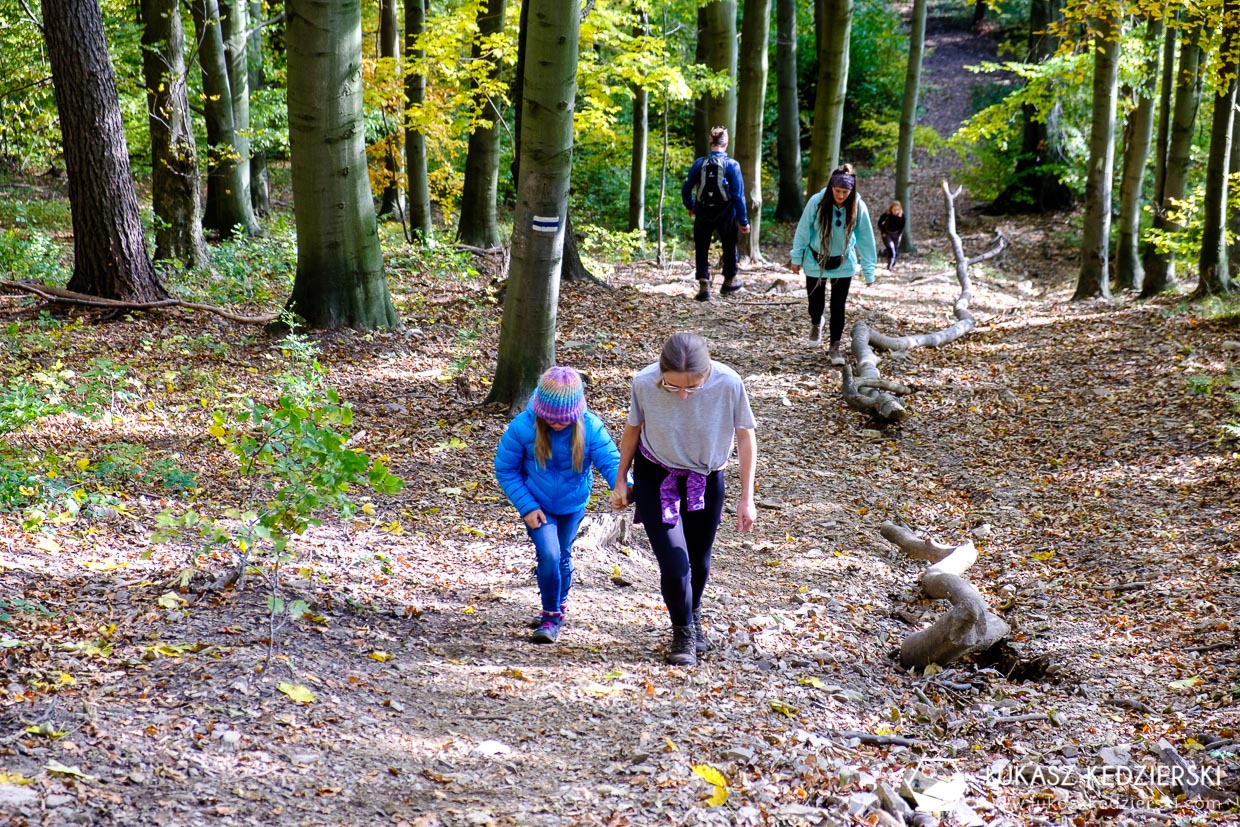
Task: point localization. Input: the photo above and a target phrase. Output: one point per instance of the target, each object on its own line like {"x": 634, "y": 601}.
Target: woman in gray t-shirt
{"x": 685, "y": 414}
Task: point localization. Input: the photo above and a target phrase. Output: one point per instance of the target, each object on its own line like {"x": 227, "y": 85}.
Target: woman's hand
{"x": 796, "y": 268}
{"x": 619, "y": 498}
{"x": 746, "y": 514}
{"x": 536, "y": 518}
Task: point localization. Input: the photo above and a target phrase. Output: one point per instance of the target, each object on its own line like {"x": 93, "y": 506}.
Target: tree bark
{"x": 641, "y": 133}
{"x": 1213, "y": 274}
{"x": 1137, "y": 137}
{"x": 549, "y": 89}
{"x": 790, "y": 201}
{"x": 419, "y": 199}
{"x": 969, "y": 626}
{"x": 908, "y": 121}
{"x": 260, "y": 181}
{"x": 751, "y": 106}
{"x": 228, "y": 169}
{"x": 1094, "y": 277}
{"x": 719, "y": 36}
{"x": 832, "y": 38}
{"x": 479, "y": 222}
{"x": 340, "y": 280}
{"x": 174, "y": 155}
{"x": 392, "y": 203}
{"x": 1162, "y": 144}
{"x": 109, "y": 251}
{"x": 1160, "y": 267}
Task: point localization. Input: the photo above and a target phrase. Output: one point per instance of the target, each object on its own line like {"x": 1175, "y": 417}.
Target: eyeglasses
{"x": 688, "y": 389}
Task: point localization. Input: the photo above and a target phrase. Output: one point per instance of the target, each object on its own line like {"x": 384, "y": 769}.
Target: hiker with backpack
{"x": 833, "y": 236}
{"x": 714, "y": 194}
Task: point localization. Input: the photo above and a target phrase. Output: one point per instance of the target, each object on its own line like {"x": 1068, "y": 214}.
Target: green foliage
{"x": 244, "y": 270}
{"x": 881, "y": 140}
{"x": 877, "y": 57}
{"x": 293, "y": 455}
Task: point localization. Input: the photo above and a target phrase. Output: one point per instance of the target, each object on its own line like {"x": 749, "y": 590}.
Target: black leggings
{"x": 891, "y": 241}
{"x": 816, "y": 289}
{"x": 683, "y": 550}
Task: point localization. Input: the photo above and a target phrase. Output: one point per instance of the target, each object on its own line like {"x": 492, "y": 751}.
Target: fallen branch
{"x": 877, "y": 740}
{"x": 968, "y": 626}
{"x": 62, "y": 296}
{"x": 1190, "y": 776}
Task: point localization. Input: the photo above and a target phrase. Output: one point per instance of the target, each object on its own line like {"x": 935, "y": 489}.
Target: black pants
{"x": 704, "y": 229}
{"x": 817, "y": 289}
{"x": 891, "y": 241}
{"x": 683, "y": 550}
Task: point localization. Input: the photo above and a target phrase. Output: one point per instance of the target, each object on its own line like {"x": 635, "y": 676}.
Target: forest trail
{"x": 1062, "y": 438}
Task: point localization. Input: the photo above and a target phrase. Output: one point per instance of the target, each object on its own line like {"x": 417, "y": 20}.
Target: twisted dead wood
{"x": 60, "y": 295}
{"x": 968, "y": 626}
{"x": 868, "y": 393}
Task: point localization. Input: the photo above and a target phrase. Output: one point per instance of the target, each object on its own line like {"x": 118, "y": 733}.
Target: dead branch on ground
{"x": 59, "y": 295}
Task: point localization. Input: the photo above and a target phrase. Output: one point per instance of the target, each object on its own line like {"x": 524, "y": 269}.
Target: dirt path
{"x": 1062, "y": 438}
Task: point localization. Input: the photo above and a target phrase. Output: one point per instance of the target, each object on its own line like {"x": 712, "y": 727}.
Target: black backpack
{"x": 712, "y": 194}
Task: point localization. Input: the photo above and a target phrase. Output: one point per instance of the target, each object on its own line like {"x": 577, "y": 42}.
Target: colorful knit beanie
{"x": 560, "y": 399}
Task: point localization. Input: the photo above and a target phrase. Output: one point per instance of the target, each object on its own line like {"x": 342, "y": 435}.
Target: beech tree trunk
{"x": 1162, "y": 144}
{"x": 479, "y": 222}
{"x": 641, "y": 132}
{"x": 1094, "y": 277}
{"x": 174, "y": 155}
{"x": 790, "y": 201}
{"x": 1213, "y": 274}
{"x": 419, "y": 197}
{"x": 834, "y": 29}
{"x": 1138, "y": 133}
{"x": 719, "y": 37}
{"x": 109, "y": 251}
{"x": 750, "y": 107}
{"x": 260, "y": 182}
{"x": 392, "y": 203}
{"x": 908, "y": 121}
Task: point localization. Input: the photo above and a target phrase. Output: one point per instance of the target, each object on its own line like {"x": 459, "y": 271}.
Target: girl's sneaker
{"x": 549, "y": 629}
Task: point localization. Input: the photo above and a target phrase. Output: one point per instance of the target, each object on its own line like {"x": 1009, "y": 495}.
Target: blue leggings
{"x": 683, "y": 550}
{"x": 553, "y": 542}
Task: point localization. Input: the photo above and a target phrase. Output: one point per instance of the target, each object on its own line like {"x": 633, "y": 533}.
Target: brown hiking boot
{"x": 703, "y": 293}
{"x": 683, "y": 651}
{"x": 731, "y": 286}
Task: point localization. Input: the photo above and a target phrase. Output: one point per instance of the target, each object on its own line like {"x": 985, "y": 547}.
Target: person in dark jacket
{"x": 717, "y": 203}
{"x": 891, "y": 226}
{"x": 686, "y": 413}
{"x": 543, "y": 464}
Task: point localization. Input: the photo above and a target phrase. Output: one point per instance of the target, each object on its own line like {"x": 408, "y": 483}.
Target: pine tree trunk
{"x": 908, "y": 120}
{"x": 1094, "y": 278}
{"x": 1160, "y": 267}
{"x": 479, "y": 224}
{"x": 790, "y": 202}
{"x": 549, "y": 90}
{"x": 340, "y": 280}
{"x": 109, "y": 251}
{"x": 419, "y": 199}
{"x": 228, "y": 170}
{"x": 392, "y": 204}
{"x": 1213, "y": 274}
{"x": 750, "y": 108}
{"x": 174, "y": 155}
{"x": 1137, "y": 136}
{"x": 832, "y": 38}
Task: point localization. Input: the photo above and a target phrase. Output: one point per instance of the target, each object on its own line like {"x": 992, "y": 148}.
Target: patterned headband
{"x": 843, "y": 180}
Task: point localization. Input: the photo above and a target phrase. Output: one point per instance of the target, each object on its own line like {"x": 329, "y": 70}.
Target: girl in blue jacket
{"x": 543, "y": 464}
{"x": 833, "y": 236}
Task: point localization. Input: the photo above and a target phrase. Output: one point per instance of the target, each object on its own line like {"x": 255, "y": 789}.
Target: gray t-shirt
{"x": 695, "y": 433}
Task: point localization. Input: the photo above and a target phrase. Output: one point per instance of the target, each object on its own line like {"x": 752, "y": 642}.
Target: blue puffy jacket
{"x": 556, "y": 488}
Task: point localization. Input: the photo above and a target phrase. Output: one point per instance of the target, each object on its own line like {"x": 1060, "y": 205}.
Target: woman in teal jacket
{"x": 832, "y": 237}
{"x": 543, "y": 464}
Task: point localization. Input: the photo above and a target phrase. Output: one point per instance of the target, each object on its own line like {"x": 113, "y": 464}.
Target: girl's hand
{"x": 619, "y": 499}
{"x": 536, "y": 518}
{"x": 746, "y": 514}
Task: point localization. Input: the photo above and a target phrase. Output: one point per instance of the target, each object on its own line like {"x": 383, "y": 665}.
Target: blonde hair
{"x": 896, "y": 205}
{"x": 542, "y": 443}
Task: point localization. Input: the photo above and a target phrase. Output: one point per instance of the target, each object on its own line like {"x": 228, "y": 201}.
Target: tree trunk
{"x": 228, "y": 170}
{"x": 1160, "y": 267}
{"x": 392, "y": 203}
{"x": 419, "y": 199}
{"x": 701, "y": 56}
{"x": 109, "y": 251}
{"x": 1233, "y": 216}
{"x": 790, "y": 202}
{"x": 260, "y": 182}
{"x": 832, "y": 39}
{"x": 751, "y": 106}
{"x": 340, "y": 280}
{"x": 1137, "y": 136}
{"x": 174, "y": 155}
{"x": 908, "y": 120}
{"x": 1213, "y": 275}
{"x": 641, "y": 132}
{"x": 719, "y": 36}
{"x": 479, "y": 223}
{"x": 1035, "y": 181}
{"x": 549, "y": 90}
{"x": 1166, "y": 88}
{"x": 1094, "y": 278}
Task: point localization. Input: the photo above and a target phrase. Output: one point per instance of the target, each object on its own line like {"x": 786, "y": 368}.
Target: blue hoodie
{"x": 556, "y": 488}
